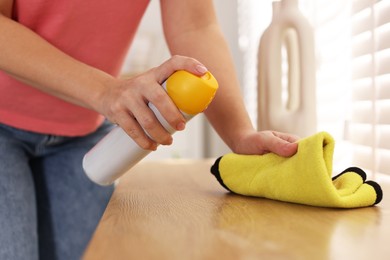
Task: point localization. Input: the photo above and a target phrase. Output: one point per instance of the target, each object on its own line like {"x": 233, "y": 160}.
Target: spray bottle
{"x": 117, "y": 153}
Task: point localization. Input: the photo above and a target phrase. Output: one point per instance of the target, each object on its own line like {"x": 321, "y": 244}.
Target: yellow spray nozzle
{"x": 190, "y": 93}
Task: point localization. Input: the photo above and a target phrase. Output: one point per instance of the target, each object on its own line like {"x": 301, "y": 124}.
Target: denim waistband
{"x": 38, "y": 144}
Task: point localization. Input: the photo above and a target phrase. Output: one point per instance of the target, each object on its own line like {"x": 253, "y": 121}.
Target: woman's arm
{"x": 28, "y": 57}
{"x": 191, "y": 29}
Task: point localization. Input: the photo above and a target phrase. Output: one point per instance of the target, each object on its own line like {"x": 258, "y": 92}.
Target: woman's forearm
{"x": 227, "y": 112}
{"x": 34, "y": 61}
{"x": 191, "y": 29}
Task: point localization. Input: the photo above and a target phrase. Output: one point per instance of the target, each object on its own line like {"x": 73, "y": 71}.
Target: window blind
{"x": 369, "y": 123}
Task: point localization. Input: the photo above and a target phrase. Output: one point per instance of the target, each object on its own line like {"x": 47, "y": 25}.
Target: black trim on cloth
{"x": 215, "y": 171}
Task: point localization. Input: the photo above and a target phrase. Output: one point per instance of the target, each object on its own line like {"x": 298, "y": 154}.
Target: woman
{"x": 59, "y": 65}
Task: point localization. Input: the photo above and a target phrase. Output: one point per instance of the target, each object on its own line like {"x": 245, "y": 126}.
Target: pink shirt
{"x": 96, "y": 32}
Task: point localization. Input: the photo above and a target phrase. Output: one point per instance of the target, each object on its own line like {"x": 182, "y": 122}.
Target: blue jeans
{"x": 49, "y": 208}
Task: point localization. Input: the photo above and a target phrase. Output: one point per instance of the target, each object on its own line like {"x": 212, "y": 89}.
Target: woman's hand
{"x": 254, "y": 142}
{"x": 126, "y": 103}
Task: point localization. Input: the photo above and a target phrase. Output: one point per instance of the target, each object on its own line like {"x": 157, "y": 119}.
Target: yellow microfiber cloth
{"x": 304, "y": 178}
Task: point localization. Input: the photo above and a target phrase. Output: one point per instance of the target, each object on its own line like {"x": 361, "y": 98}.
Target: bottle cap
{"x": 190, "y": 93}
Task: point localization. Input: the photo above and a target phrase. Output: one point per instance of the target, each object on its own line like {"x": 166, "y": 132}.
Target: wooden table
{"x": 177, "y": 210}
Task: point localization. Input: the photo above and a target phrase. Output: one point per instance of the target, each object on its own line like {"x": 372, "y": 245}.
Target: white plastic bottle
{"x": 117, "y": 153}
{"x": 291, "y": 109}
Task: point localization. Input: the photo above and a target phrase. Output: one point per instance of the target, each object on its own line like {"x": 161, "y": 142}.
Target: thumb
{"x": 179, "y": 63}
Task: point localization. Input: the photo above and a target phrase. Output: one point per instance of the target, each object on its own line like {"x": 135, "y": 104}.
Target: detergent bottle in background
{"x": 117, "y": 153}
{"x": 290, "y": 108}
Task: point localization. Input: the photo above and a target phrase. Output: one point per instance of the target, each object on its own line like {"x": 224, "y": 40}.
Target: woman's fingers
{"x": 128, "y": 103}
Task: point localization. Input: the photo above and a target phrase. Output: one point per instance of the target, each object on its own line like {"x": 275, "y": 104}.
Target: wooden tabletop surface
{"x": 177, "y": 210}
